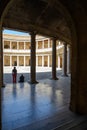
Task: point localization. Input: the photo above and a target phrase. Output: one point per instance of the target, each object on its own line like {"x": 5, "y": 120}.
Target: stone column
{"x": 64, "y": 68}
{"x": 33, "y": 59}
{"x": 68, "y": 59}
{"x": 58, "y": 61}
{"x": 1, "y": 58}
{"x": 54, "y": 59}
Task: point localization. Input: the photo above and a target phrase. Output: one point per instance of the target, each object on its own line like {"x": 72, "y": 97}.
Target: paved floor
{"x": 45, "y": 73}
{"x": 42, "y": 106}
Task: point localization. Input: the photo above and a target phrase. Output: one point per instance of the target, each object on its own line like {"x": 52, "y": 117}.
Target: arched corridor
{"x": 58, "y": 19}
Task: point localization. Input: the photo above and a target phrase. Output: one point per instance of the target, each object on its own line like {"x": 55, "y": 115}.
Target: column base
{"x": 54, "y": 78}
{"x": 64, "y": 75}
{"x": 3, "y": 85}
{"x": 33, "y": 82}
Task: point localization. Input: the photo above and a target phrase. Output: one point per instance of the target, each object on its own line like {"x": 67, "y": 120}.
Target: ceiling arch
{"x": 46, "y": 17}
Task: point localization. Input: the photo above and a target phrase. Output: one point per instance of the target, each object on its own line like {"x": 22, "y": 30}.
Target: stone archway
{"x": 78, "y": 73}
{"x": 62, "y": 9}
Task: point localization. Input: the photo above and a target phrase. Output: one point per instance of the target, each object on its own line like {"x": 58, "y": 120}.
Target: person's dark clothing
{"x": 14, "y": 74}
{"x": 21, "y": 78}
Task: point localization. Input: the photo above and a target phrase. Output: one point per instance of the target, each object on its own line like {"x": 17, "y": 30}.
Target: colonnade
{"x": 42, "y": 60}
{"x": 33, "y": 59}
{"x": 66, "y": 54}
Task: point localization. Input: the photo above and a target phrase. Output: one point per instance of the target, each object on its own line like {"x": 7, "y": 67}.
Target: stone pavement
{"x": 42, "y": 106}
{"x": 40, "y": 74}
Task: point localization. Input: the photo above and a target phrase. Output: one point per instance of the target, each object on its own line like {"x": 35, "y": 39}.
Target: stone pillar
{"x": 54, "y": 59}
{"x": 58, "y": 61}
{"x": 68, "y": 59}
{"x": 64, "y": 68}
{"x": 1, "y": 58}
{"x": 78, "y": 101}
{"x": 33, "y": 59}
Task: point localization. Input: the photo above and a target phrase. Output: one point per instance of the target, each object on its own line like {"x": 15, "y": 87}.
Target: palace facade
{"x": 16, "y": 51}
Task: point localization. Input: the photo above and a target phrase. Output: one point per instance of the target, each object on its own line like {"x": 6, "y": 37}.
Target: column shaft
{"x": 58, "y": 61}
{"x": 65, "y": 60}
{"x": 69, "y": 60}
{"x": 54, "y": 59}
{"x": 33, "y": 59}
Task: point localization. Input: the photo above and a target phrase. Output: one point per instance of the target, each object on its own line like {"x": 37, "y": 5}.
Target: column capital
{"x": 64, "y": 43}
{"x": 69, "y": 45}
{"x": 33, "y": 33}
{"x": 53, "y": 38}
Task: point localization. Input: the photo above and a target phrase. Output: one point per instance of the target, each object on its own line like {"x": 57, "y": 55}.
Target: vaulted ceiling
{"x": 46, "y": 17}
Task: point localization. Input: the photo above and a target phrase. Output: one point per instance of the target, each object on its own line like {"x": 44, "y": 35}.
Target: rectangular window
{"x": 21, "y": 45}
{"x": 6, "y": 60}
{"x": 27, "y": 45}
{"x": 45, "y": 43}
{"x": 39, "y": 60}
{"x": 14, "y": 45}
{"x": 39, "y": 44}
{"x": 14, "y": 60}
{"x": 6, "y": 44}
{"x": 21, "y": 60}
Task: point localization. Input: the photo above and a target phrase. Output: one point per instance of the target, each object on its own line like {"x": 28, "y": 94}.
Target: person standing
{"x": 14, "y": 74}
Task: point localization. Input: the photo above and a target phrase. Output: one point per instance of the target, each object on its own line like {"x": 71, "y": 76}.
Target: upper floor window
{"x": 27, "y": 45}
{"x": 6, "y": 44}
{"x": 14, "y": 45}
{"x": 45, "y": 43}
{"x": 21, "y": 45}
{"x": 39, "y": 44}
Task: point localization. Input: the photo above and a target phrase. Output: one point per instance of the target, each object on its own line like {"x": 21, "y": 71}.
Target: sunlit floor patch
{"x": 24, "y": 103}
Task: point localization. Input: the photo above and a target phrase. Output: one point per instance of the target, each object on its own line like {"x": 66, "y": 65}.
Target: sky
{"x": 6, "y": 31}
